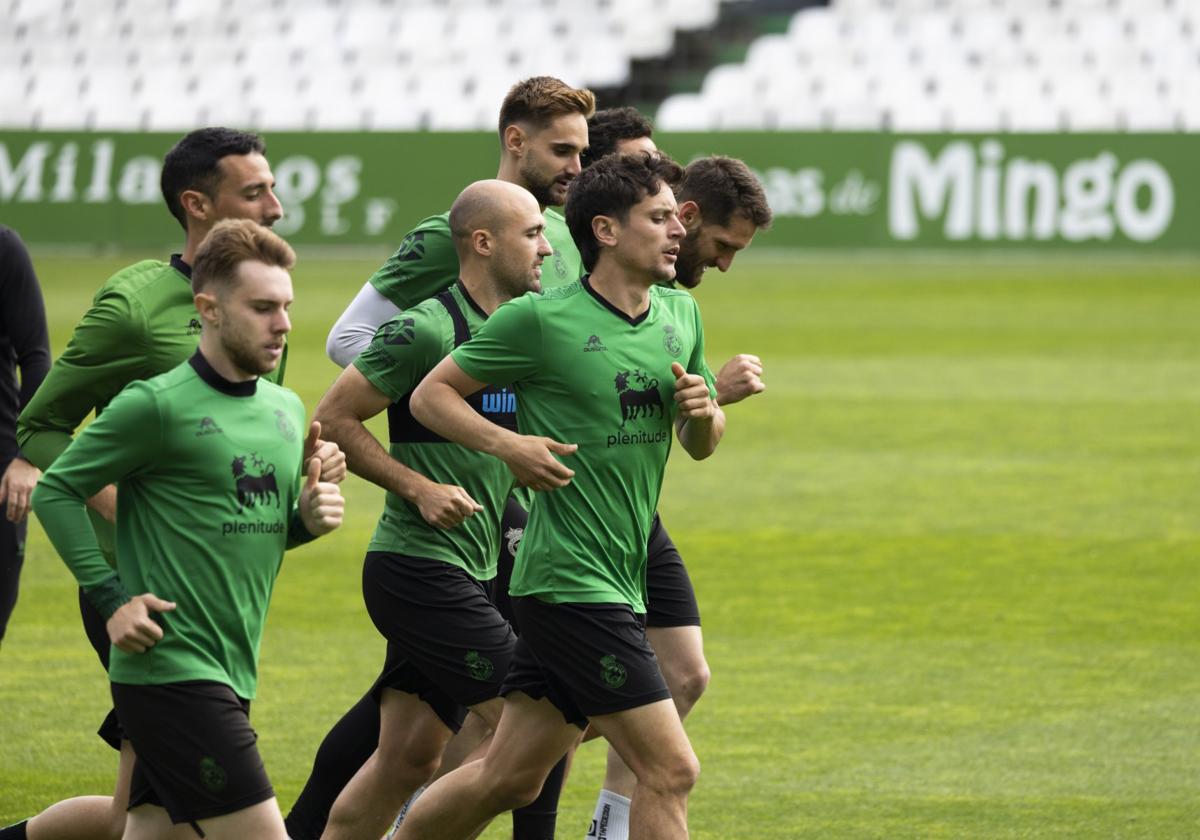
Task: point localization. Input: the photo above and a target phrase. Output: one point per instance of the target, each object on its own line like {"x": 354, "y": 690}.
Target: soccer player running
{"x": 542, "y": 132}
{"x": 24, "y": 345}
{"x": 722, "y": 206}
{"x": 428, "y": 567}
{"x": 602, "y": 369}
{"x": 213, "y": 486}
{"x": 143, "y": 322}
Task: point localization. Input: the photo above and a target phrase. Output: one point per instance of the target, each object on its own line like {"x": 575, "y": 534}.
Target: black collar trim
{"x": 586, "y": 281}
{"x": 234, "y": 389}
{"x": 462, "y": 290}
{"x": 179, "y": 265}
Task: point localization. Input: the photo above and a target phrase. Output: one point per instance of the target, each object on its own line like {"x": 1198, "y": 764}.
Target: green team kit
{"x": 426, "y": 262}
{"x": 142, "y": 322}
{"x": 208, "y": 477}
{"x": 402, "y": 352}
{"x": 586, "y": 373}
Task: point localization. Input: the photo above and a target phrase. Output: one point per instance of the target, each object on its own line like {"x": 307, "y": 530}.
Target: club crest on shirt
{"x": 671, "y": 341}
{"x": 284, "y": 424}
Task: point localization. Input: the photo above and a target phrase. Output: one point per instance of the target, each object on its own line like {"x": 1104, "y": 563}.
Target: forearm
{"x": 441, "y": 408}
{"x": 700, "y": 435}
{"x": 60, "y": 508}
{"x": 366, "y": 457}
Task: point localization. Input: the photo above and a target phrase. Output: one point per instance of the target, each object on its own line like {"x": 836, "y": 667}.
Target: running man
{"x": 428, "y": 568}
{"x": 143, "y": 322}
{"x": 602, "y": 369}
{"x": 213, "y": 486}
{"x": 542, "y": 132}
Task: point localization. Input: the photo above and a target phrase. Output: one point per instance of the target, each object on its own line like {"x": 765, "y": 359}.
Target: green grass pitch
{"x": 947, "y": 562}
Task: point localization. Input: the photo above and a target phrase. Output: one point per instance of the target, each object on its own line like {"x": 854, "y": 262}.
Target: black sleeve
{"x": 24, "y": 314}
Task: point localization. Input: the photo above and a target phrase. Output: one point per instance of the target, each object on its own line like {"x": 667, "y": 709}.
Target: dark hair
{"x": 232, "y": 242}
{"x": 541, "y": 99}
{"x": 192, "y": 163}
{"x": 722, "y": 186}
{"x": 606, "y": 128}
{"x": 610, "y": 187}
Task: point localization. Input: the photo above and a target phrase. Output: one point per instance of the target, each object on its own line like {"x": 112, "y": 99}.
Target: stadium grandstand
{"x": 857, "y": 65}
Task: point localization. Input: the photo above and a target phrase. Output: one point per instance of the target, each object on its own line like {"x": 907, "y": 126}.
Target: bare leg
{"x": 651, "y": 741}
{"x": 262, "y": 822}
{"x": 530, "y": 739}
{"x": 88, "y": 817}
{"x": 680, "y": 652}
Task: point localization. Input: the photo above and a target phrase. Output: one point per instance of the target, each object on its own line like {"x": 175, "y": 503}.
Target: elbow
{"x": 418, "y": 403}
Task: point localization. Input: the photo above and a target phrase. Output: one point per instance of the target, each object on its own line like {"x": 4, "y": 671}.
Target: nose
{"x": 723, "y": 262}
{"x": 544, "y": 248}
{"x": 274, "y": 210}
{"x": 283, "y": 324}
{"x": 575, "y": 166}
{"x": 676, "y": 230}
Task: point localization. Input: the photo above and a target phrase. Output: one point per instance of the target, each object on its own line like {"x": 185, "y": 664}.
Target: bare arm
{"x": 342, "y": 412}
{"x": 700, "y": 423}
{"x": 438, "y": 403}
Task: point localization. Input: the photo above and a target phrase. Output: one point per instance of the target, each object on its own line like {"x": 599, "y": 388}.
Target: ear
{"x": 514, "y": 140}
{"x": 605, "y": 229}
{"x": 482, "y": 243}
{"x": 208, "y": 307}
{"x": 690, "y": 216}
{"x": 195, "y": 204}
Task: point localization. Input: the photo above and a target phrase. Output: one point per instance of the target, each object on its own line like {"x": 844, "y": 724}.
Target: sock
{"x": 538, "y": 819}
{"x": 611, "y": 819}
{"x": 345, "y": 749}
{"x": 403, "y": 813}
{"x": 15, "y": 831}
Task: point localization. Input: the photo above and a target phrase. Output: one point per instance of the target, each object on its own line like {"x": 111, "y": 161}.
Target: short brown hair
{"x": 722, "y": 186}
{"x": 611, "y": 187}
{"x": 232, "y": 242}
{"x": 541, "y": 99}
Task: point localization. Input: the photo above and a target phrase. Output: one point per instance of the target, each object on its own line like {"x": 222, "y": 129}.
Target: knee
{"x": 515, "y": 790}
{"x": 688, "y": 682}
{"x": 411, "y": 765}
{"x": 675, "y": 776}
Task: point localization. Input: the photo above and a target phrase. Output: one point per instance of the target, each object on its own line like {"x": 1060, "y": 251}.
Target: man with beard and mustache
{"x": 141, "y": 323}
{"x": 721, "y": 206}
{"x": 214, "y": 487}
{"x": 542, "y": 132}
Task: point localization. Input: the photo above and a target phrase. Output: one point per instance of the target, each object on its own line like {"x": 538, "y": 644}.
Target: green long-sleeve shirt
{"x": 207, "y": 475}
{"x": 142, "y": 322}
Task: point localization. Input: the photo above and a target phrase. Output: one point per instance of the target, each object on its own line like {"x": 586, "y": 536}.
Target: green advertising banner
{"x": 1126, "y": 191}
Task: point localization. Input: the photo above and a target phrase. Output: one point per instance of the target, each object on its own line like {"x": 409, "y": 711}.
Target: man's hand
{"x": 328, "y": 453}
{"x": 532, "y": 461}
{"x": 445, "y": 505}
{"x": 691, "y": 393}
{"x": 16, "y": 488}
{"x": 739, "y": 378}
{"x": 321, "y": 502}
{"x": 132, "y": 629}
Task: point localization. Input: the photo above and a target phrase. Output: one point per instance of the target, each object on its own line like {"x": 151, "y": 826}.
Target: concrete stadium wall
{"x": 1063, "y": 191}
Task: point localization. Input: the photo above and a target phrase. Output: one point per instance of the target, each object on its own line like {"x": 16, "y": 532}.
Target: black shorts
{"x": 96, "y": 629}
{"x": 446, "y": 642}
{"x": 586, "y": 659}
{"x": 672, "y": 600}
{"x": 196, "y": 753}
{"x": 512, "y": 529}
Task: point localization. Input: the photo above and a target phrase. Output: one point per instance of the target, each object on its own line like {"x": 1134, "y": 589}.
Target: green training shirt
{"x": 208, "y": 475}
{"x": 142, "y": 322}
{"x": 402, "y": 352}
{"x": 426, "y": 262}
{"x": 585, "y": 373}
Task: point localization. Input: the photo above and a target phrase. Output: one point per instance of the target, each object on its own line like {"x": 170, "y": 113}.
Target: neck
{"x": 510, "y": 170}
{"x": 627, "y": 292}
{"x": 215, "y": 355}
{"x": 483, "y": 291}
{"x": 194, "y": 238}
